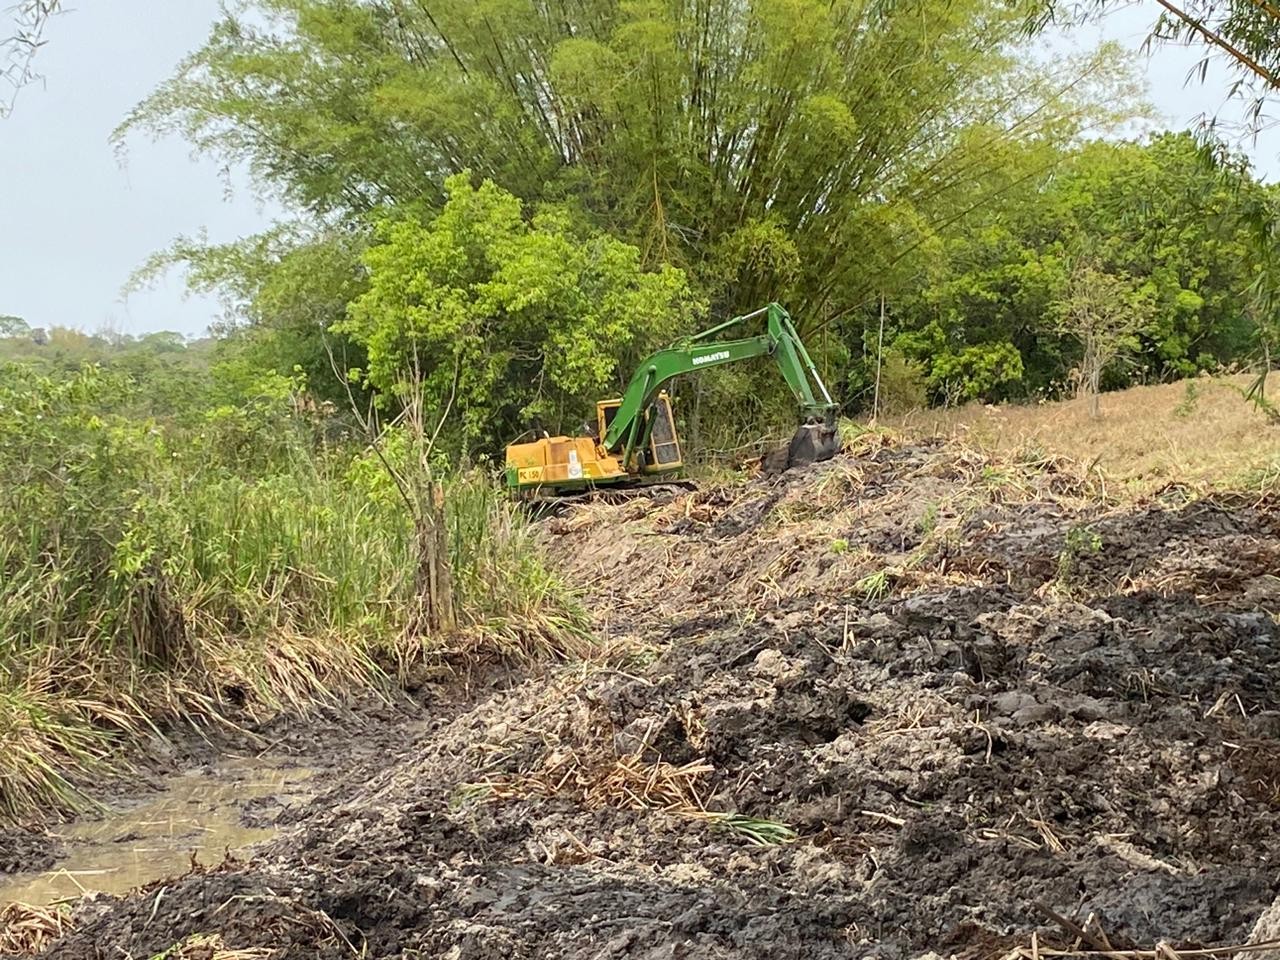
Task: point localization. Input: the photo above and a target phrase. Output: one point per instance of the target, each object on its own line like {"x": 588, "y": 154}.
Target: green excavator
{"x": 635, "y": 435}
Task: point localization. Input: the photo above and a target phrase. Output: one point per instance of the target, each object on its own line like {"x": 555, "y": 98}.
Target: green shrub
{"x": 1187, "y": 405}
{"x": 904, "y": 386}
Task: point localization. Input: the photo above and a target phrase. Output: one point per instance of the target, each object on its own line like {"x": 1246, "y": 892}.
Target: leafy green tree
{"x": 811, "y": 151}
{"x": 172, "y": 373}
{"x": 497, "y": 319}
{"x": 283, "y": 292}
{"x": 1245, "y": 35}
{"x": 1262, "y": 298}
{"x": 1165, "y": 215}
{"x": 1103, "y": 311}
{"x": 1159, "y": 211}
{"x": 11, "y": 326}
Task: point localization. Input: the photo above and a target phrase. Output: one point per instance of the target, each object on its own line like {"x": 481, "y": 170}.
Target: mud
{"x": 192, "y": 795}
{"x": 27, "y": 848}
{"x": 965, "y": 692}
{"x": 200, "y": 815}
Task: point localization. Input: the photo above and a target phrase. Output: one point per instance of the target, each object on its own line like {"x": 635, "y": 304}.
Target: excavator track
{"x": 666, "y": 489}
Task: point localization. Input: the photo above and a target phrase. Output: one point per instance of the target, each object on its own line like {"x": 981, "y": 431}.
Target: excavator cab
{"x": 661, "y": 453}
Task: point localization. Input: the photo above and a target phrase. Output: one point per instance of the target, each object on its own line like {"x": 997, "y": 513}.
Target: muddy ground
{"x": 909, "y": 700}
{"x": 331, "y": 744}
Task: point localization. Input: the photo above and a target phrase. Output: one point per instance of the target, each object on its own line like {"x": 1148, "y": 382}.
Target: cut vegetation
{"x": 1055, "y": 711}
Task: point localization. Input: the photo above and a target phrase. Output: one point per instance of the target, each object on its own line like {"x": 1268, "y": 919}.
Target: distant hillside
{"x": 67, "y": 347}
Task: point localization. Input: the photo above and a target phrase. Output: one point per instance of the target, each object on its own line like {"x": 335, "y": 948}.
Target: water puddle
{"x": 198, "y": 813}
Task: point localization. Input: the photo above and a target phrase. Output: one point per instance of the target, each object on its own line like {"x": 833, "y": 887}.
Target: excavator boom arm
{"x": 700, "y": 353}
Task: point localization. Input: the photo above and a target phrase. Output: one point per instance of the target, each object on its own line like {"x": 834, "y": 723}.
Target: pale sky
{"x": 75, "y": 223}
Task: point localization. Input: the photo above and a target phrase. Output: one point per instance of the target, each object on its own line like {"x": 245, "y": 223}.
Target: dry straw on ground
{"x": 25, "y": 930}
{"x": 1199, "y": 431}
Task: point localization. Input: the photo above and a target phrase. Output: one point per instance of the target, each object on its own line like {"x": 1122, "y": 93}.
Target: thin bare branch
{"x": 1216, "y": 39}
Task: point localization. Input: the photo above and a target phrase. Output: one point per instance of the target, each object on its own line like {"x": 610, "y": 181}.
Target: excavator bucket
{"x": 812, "y": 443}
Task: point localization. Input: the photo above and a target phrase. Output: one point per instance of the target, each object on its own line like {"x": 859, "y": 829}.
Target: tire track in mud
{"x": 969, "y": 687}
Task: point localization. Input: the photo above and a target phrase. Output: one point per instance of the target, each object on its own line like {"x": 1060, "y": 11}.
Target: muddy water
{"x": 197, "y": 813}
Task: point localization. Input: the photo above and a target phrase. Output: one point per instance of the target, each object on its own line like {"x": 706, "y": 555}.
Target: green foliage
{"x": 974, "y": 371}
{"x": 819, "y": 152}
{"x": 1103, "y": 312}
{"x": 21, "y": 39}
{"x": 498, "y": 319}
{"x": 1257, "y": 397}
{"x": 875, "y": 586}
{"x": 11, "y": 326}
{"x": 1160, "y": 212}
{"x": 755, "y": 830}
{"x": 903, "y": 384}
{"x": 131, "y": 518}
{"x": 283, "y": 292}
{"x": 1186, "y": 407}
{"x": 929, "y": 519}
{"x": 1081, "y": 541}
{"x": 227, "y": 561}
{"x": 174, "y": 368}
{"x": 799, "y": 150}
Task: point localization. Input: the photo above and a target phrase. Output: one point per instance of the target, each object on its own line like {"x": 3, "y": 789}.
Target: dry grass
{"x": 212, "y": 947}
{"x": 26, "y": 930}
{"x": 1148, "y": 437}
{"x": 628, "y": 783}
{"x": 1161, "y": 951}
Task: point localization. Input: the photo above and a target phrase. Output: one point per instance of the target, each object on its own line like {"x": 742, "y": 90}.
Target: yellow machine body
{"x": 561, "y": 461}
{"x": 570, "y": 462}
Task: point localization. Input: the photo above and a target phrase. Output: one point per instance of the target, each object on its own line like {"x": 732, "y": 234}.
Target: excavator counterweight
{"x": 635, "y": 435}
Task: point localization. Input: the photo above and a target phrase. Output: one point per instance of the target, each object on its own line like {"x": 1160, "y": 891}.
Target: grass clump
{"x": 875, "y": 586}
{"x": 1079, "y": 543}
{"x": 756, "y": 831}
{"x": 1187, "y": 405}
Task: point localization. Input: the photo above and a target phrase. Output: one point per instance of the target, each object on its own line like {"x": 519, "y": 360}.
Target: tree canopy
{"x": 788, "y": 149}
{"x": 492, "y": 194}
{"x": 501, "y": 319}
{"x": 1158, "y": 212}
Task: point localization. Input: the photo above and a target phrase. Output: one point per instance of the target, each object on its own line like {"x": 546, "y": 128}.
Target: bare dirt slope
{"x": 909, "y": 700}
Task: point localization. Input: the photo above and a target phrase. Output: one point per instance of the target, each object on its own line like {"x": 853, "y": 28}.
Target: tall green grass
{"x": 217, "y": 568}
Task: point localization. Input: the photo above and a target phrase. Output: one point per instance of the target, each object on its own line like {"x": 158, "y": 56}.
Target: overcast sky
{"x": 74, "y": 222}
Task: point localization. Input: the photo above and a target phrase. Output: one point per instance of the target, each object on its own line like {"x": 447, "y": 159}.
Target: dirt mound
{"x": 896, "y": 702}
{"x": 24, "y": 849}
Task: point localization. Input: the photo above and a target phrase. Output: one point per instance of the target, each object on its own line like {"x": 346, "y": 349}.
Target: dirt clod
{"x": 23, "y": 849}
